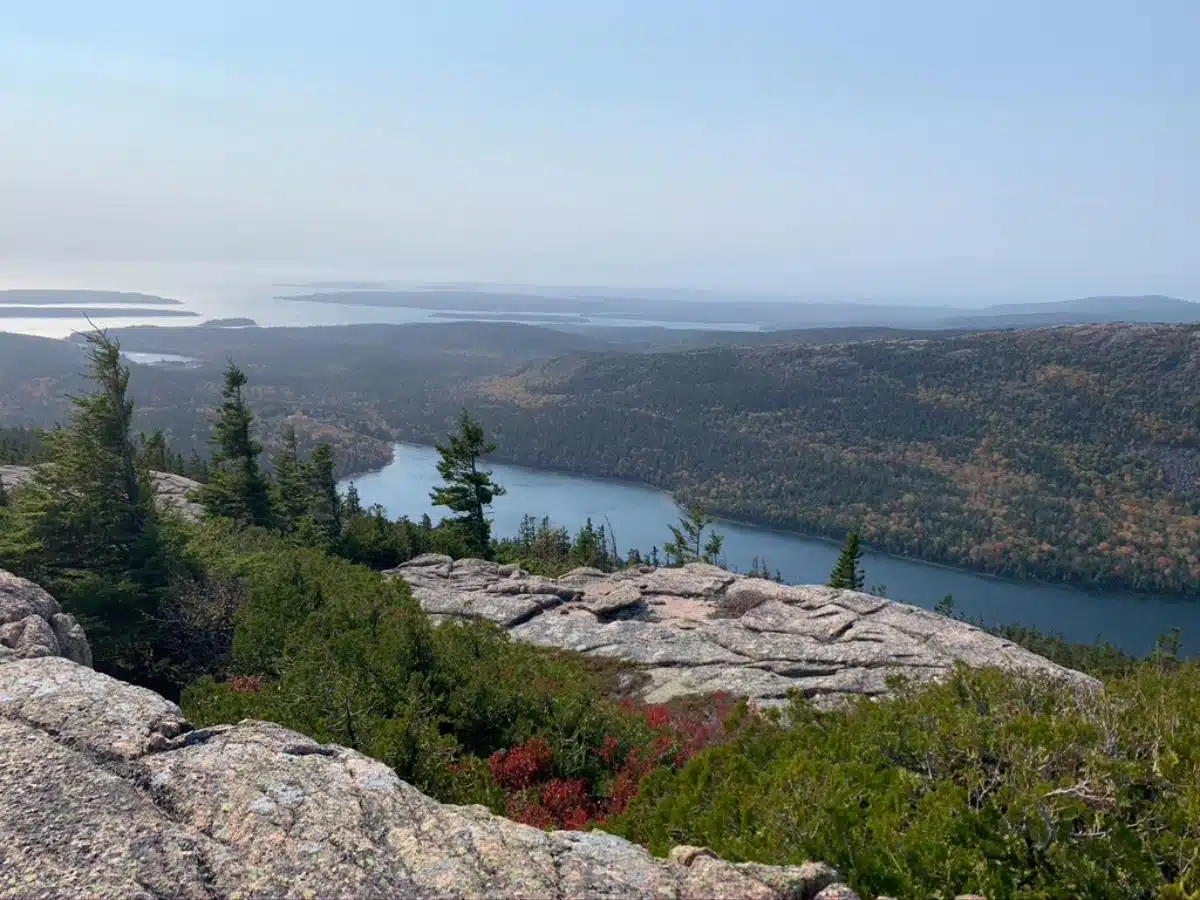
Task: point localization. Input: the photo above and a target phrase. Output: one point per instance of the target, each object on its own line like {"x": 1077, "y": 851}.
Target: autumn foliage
{"x": 671, "y": 734}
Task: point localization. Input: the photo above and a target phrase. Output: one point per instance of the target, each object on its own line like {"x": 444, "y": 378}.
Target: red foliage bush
{"x": 677, "y": 734}
{"x": 522, "y": 766}
{"x": 246, "y": 684}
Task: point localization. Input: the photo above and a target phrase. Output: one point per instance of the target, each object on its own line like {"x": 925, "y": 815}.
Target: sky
{"x": 885, "y": 150}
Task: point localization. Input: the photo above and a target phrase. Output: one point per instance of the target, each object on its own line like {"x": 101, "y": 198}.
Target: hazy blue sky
{"x": 950, "y": 149}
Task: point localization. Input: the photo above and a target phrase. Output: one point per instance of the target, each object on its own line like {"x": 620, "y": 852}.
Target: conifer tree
{"x": 847, "y": 573}
{"x": 468, "y": 490}
{"x": 292, "y": 498}
{"x": 687, "y": 542}
{"x": 352, "y": 507}
{"x": 325, "y": 505}
{"x": 86, "y": 526}
{"x": 238, "y": 488}
{"x": 154, "y": 452}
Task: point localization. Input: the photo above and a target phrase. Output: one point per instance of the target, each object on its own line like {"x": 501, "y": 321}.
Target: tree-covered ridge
{"x": 1066, "y": 453}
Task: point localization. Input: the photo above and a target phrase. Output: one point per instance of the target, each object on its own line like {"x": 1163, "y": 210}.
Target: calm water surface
{"x": 639, "y": 517}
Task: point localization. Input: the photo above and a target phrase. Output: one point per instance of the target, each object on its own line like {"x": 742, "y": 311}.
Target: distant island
{"x": 40, "y": 297}
{"x": 774, "y": 314}
{"x": 541, "y": 318}
{"x": 232, "y": 322}
{"x": 95, "y": 312}
{"x": 339, "y": 285}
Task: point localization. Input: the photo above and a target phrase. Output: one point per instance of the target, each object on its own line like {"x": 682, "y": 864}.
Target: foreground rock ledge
{"x": 700, "y": 629}
{"x": 106, "y": 791}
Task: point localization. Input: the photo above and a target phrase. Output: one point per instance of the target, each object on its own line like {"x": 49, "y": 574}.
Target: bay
{"x": 639, "y": 515}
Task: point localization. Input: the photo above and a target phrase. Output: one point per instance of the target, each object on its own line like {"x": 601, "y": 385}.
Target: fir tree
{"x": 847, "y": 573}
{"x": 237, "y": 487}
{"x": 325, "y": 507}
{"x": 469, "y": 490}
{"x": 86, "y": 526}
{"x": 352, "y": 507}
{"x": 292, "y": 498}
{"x": 687, "y": 542}
{"x": 154, "y": 453}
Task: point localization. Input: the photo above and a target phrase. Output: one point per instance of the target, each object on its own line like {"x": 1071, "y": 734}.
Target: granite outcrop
{"x": 700, "y": 629}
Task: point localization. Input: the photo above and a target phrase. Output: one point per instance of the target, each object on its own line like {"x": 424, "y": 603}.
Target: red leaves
{"x": 245, "y": 684}
{"x": 677, "y": 734}
{"x": 658, "y": 717}
{"x": 608, "y": 752}
{"x": 522, "y": 766}
{"x": 559, "y": 803}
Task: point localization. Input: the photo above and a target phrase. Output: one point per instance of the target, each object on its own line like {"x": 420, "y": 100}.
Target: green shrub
{"x": 336, "y": 651}
{"x": 985, "y": 784}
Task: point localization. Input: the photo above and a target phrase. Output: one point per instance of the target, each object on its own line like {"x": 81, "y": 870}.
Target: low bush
{"x": 986, "y": 784}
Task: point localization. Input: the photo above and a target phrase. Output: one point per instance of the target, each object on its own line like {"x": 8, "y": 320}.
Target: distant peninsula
{"x": 541, "y": 318}
{"x": 95, "y": 312}
{"x": 232, "y": 322}
{"x": 40, "y": 297}
{"x": 339, "y": 285}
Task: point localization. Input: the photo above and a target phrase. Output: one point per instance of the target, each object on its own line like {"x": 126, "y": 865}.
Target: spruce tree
{"x": 687, "y": 542}
{"x": 237, "y": 487}
{"x": 325, "y": 507}
{"x": 87, "y": 527}
{"x": 847, "y": 573}
{"x": 469, "y": 490}
{"x": 154, "y": 452}
{"x": 292, "y": 499}
{"x": 352, "y": 507}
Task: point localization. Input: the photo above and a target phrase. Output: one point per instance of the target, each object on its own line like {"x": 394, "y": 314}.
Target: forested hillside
{"x": 345, "y": 385}
{"x": 356, "y": 386}
{"x": 1067, "y": 453}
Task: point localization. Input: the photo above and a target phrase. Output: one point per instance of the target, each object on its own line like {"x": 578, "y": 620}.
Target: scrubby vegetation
{"x": 986, "y": 784}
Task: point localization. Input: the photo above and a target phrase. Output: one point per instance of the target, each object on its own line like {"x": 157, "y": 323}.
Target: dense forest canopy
{"x": 1069, "y": 453}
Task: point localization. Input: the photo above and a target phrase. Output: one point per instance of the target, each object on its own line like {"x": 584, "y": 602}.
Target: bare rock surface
{"x": 700, "y": 629}
{"x": 107, "y": 792}
{"x": 32, "y": 624}
{"x": 174, "y": 490}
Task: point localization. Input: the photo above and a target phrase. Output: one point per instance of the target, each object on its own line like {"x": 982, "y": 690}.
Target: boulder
{"x": 32, "y": 624}
{"x": 700, "y": 629}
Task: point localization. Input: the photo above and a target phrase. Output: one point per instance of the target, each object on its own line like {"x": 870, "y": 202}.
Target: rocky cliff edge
{"x": 106, "y": 791}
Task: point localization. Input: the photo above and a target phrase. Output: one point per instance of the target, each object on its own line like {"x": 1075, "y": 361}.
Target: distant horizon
{"x": 191, "y": 277}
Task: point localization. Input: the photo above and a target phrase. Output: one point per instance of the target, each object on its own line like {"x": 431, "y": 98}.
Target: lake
{"x": 639, "y": 516}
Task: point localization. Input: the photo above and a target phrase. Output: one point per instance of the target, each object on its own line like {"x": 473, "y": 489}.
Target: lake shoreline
{"x": 768, "y": 528}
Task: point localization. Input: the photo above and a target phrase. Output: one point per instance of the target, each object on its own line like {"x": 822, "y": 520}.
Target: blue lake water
{"x": 639, "y": 516}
